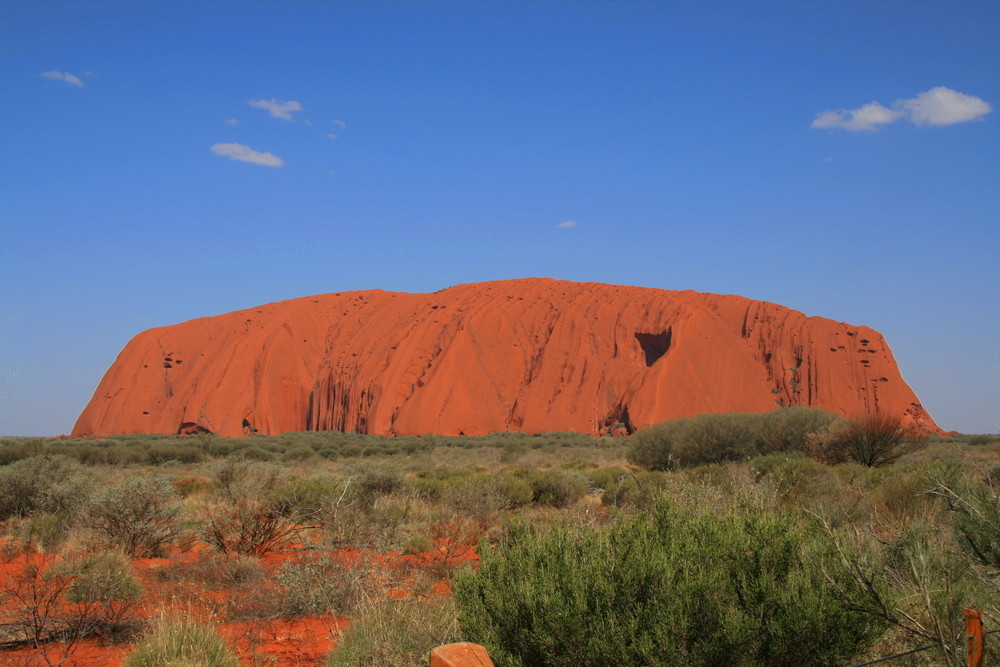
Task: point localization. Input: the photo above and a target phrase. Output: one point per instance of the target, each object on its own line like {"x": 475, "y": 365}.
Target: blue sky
{"x": 163, "y": 161}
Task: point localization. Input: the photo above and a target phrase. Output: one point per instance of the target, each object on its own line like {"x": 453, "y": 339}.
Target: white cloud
{"x": 340, "y": 123}
{"x": 332, "y": 136}
{"x": 232, "y": 121}
{"x": 569, "y": 224}
{"x": 944, "y": 106}
{"x": 244, "y": 153}
{"x": 71, "y": 79}
{"x": 866, "y": 117}
{"x": 937, "y": 106}
{"x": 276, "y": 108}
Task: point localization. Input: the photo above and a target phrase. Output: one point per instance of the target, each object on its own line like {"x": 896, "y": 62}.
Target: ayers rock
{"x": 525, "y": 355}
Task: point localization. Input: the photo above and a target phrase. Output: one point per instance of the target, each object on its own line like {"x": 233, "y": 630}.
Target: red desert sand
{"x": 527, "y": 355}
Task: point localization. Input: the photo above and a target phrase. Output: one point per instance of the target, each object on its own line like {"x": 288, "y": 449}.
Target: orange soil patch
{"x": 301, "y": 641}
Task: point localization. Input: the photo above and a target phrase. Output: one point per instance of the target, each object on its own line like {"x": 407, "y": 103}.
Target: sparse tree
{"x": 874, "y": 440}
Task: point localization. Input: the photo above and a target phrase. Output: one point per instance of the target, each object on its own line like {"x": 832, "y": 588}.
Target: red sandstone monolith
{"x": 527, "y": 355}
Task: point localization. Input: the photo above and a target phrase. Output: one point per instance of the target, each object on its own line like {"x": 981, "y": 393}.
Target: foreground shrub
{"x": 46, "y": 483}
{"x": 46, "y": 599}
{"x": 724, "y": 588}
{"x": 182, "y": 643}
{"x": 396, "y": 633}
{"x": 104, "y": 588}
{"x": 138, "y": 515}
{"x": 917, "y": 583}
{"x": 975, "y": 515}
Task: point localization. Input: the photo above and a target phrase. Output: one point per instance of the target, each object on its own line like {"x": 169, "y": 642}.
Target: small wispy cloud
{"x": 937, "y": 106}
{"x": 866, "y": 117}
{"x": 243, "y": 153}
{"x": 232, "y": 121}
{"x": 71, "y": 79}
{"x": 332, "y": 136}
{"x": 339, "y": 123}
{"x": 277, "y": 108}
{"x": 569, "y": 224}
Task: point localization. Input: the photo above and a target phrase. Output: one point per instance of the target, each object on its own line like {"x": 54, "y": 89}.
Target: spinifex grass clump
{"x": 182, "y": 643}
{"x": 396, "y": 633}
{"x": 697, "y": 587}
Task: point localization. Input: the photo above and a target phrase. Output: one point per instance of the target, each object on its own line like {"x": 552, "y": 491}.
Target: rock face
{"x": 526, "y": 355}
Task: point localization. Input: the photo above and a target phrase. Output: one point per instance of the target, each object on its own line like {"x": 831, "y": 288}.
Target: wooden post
{"x": 974, "y": 631}
{"x": 463, "y": 654}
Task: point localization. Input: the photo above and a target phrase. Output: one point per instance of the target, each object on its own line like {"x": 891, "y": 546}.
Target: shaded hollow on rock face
{"x": 528, "y": 355}
{"x": 654, "y": 346}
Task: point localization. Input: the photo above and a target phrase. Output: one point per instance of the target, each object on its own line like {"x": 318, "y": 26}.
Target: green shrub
{"x": 350, "y": 451}
{"x": 418, "y": 544}
{"x": 308, "y": 496}
{"x": 181, "y": 453}
{"x": 105, "y": 577}
{"x": 105, "y": 591}
{"x": 44, "y": 532}
{"x": 606, "y": 478}
{"x": 182, "y": 643}
{"x": 364, "y": 523}
{"x": 904, "y": 495}
{"x": 255, "y": 454}
{"x": 798, "y": 479}
{"x": 482, "y": 496}
{"x": 13, "y": 450}
{"x": 139, "y": 515}
{"x": 239, "y": 478}
{"x": 396, "y": 633}
{"x": 298, "y": 453}
{"x": 717, "y": 438}
{"x": 215, "y": 571}
{"x": 710, "y": 588}
{"x": 318, "y": 585}
{"x": 919, "y": 584}
{"x": 250, "y": 525}
{"x": 975, "y": 515}
{"x": 788, "y": 429}
{"x": 639, "y": 490}
{"x": 46, "y": 483}
{"x": 557, "y": 489}
{"x": 693, "y": 441}
{"x": 379, "y": 478}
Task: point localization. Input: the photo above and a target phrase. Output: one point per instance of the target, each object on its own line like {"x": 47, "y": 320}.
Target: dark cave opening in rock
{"x": 654, "y": 346}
